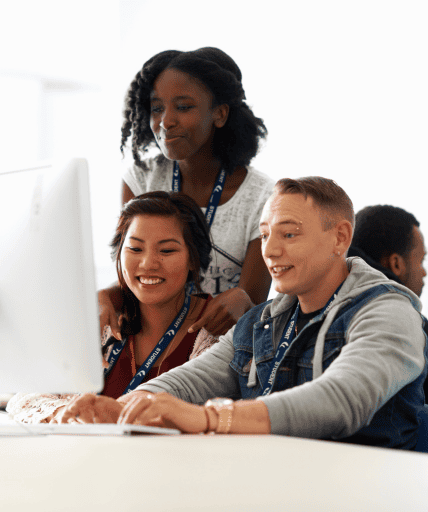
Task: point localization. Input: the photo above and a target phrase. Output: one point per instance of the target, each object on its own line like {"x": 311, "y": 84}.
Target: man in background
{"x": 388, "y": 238}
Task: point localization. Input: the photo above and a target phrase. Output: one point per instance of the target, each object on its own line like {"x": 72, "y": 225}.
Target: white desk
{"x": 207, "y": 473}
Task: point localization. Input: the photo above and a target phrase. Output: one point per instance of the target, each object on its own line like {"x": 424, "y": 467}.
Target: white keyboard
{"x": 12, "y": 428}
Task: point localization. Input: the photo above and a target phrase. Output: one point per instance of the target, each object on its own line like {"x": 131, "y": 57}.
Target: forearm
{"x": 114, "y": 293}
{"x": 257, "y": 291}
{"x": 249, "y": 417}
{"x": 255, "y": 279}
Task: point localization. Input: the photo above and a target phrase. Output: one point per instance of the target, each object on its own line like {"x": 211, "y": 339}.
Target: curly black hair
{"x": 235, "y": 144}
{"x": 195, "y": 233}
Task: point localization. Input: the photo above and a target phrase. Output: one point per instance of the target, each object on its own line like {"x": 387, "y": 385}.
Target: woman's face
{"x": 182, "y": 118}
{"x": 155, "y": 259}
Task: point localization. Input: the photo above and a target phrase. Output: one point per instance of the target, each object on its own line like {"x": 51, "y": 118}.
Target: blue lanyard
{"x": 215, "y": 194}
{"x": 166, "y": 339}
{"x": 288, "y": 337}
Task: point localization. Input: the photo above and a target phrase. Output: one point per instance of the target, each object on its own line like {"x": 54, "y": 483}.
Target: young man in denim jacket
{"x": 339, "y": 354}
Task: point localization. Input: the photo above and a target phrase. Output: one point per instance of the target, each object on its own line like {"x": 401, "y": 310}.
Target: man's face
{"x": 415, "y": 271}
{"x": 296, "y": 250}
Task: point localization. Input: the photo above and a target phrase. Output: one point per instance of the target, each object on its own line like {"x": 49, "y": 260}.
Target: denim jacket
{"x": 353, "y": 374}
{"x": 257, "y": 335}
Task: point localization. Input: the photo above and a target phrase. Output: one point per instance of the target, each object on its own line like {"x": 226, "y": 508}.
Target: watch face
{"x": 221, "y": 401}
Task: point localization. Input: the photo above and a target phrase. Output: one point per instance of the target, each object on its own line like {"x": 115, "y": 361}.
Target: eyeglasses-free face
{"x": 301, "y": 256}
{"x": 155, "y": 260}
{"x": 182, "y": 118}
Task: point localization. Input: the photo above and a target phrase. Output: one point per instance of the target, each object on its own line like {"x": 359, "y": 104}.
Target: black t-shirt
{"x": 304, "y": 318}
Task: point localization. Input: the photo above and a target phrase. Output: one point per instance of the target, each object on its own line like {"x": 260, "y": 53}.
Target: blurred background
{"x": 342, "y": 87}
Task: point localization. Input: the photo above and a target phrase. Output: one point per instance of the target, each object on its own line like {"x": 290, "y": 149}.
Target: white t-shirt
{"x": 236, "y": 222}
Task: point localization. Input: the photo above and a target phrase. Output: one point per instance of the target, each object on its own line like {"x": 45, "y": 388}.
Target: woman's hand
{"x": 89, "y": 408}
{"x": 223, "y": 312}
{"x": 108, "y": 315}
{"x": 163, "y": 410}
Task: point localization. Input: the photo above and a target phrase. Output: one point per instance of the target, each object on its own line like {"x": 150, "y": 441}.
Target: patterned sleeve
{"x": 204, "y": 340}
{"x": 35, "y": 407}
{"x": 39, "y": 407}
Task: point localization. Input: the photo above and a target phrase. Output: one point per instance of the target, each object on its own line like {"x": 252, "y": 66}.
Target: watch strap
{"x": 223, "y": 408}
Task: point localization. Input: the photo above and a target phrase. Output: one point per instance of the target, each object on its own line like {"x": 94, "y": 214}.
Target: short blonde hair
{"x": 328, "y": 197}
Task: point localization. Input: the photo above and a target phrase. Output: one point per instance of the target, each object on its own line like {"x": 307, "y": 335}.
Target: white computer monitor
{"x": 49, "y": 328}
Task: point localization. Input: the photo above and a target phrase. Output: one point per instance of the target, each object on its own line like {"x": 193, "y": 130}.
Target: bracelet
{"x": 208, "y": 429}
{"x": 223, "y": 408}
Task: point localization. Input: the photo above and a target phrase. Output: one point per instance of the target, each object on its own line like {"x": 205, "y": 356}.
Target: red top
{"x": 125, "y": 368}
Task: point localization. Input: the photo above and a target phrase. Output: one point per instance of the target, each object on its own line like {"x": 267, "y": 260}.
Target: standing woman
{"x": 191, "y": 105}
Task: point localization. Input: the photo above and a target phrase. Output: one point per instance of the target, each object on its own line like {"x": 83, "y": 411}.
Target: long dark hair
{"x": 236, "y": 143}
{"x": 195, "y": 233}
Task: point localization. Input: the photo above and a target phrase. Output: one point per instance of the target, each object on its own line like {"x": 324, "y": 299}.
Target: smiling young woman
{"x": 161, "y": 248}
{"x": 191, "y": 106}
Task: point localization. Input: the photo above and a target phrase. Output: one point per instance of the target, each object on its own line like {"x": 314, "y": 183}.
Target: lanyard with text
{"x": 157, "y": 351}
{"x": 215, "y": 194}
{"x": 288, "y": 337}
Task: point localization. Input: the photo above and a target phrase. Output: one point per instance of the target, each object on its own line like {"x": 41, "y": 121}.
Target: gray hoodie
{"x": 383, "y": 352}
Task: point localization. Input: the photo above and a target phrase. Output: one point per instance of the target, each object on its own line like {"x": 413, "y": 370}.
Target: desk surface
{"x": 204, "y": 473}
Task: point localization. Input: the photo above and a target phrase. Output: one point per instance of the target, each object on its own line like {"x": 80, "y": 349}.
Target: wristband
{"x": 223, "y": 408}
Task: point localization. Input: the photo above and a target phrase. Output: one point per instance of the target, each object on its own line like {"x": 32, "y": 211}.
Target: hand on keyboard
{"x": 90, "y": 408}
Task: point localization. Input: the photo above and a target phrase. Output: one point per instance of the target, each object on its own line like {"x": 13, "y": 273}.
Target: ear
{"x": 344, "y": 232}
{"x": 396, "y": 263}
{"x": 220, "y": 115}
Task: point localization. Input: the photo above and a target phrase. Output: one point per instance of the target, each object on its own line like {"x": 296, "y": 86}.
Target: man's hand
{"x": 223, "y": 312}
{"x": 89, "y": 408}
{"x": 163, "y": 410}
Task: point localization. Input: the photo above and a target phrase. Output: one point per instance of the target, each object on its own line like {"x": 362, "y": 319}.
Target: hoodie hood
{"x": 361, "y": 278}
{"x": 356, "y": 251}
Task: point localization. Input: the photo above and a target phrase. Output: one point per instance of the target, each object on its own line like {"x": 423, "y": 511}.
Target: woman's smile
{"x": 155, "y": 259}
{"x": 150, "y": 281}
{"x": 171, "y": 141}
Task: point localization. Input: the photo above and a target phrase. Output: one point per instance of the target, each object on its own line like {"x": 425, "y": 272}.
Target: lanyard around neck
{"x": 287, "y": 338}
{"x": 215, "y": 194}
{"x": 166, "y": 339}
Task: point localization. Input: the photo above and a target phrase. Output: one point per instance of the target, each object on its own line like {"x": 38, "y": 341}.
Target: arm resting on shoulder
{"x": 255, "y": 279}
{"x": 228, "y": 307}
{"x": 110, "y": 302}
{"x": 127, "y": 193}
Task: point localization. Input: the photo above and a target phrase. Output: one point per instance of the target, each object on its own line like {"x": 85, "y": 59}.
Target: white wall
{"x": 341, "y": 86}
{"x": 59, "y": 96}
